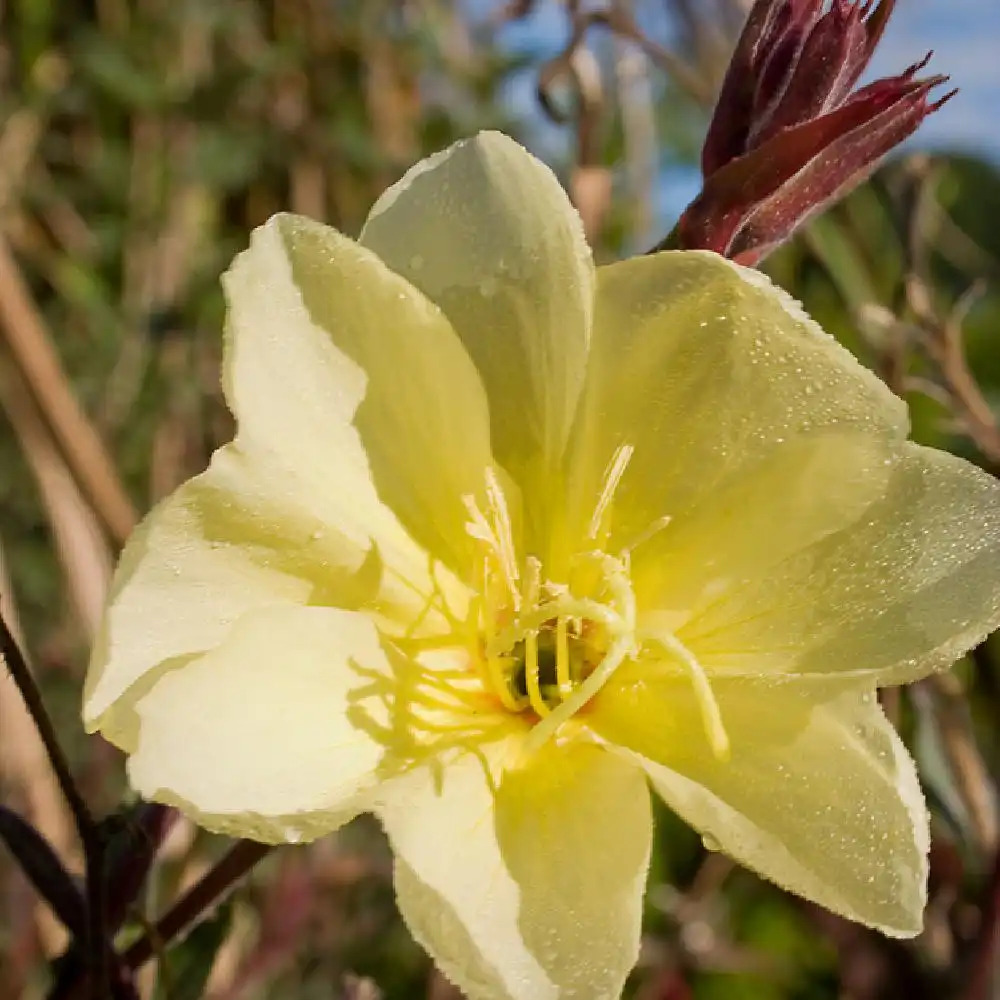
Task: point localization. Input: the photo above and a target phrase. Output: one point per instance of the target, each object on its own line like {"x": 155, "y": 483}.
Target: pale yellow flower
{"x": 503, "y": 539}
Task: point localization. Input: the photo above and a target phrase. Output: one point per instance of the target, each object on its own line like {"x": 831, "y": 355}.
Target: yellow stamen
{"x": 711, "y": 715}
{"x": 572, "y": 607}
{"x": 563, "y": 679}
{"x": 504, "y": 533}
{"x": 612, "y": 477}
{"x": 532, "y": 581}
{"x": 531, "y": 675}
{"x": 614, "y": 658}
{"x": 499, "y": 685}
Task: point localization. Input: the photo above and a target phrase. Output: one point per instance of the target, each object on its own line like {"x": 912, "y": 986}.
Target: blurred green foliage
{"x": 141, "y": 141}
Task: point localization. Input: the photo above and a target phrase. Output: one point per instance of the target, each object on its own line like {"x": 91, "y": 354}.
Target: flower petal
{"x": 539, "y": 893}
{"x": 903, "y": 591}
{"x": 423, "y": 421}
{"x": 486, "y": 232}
{"x": 223, "y": 545}
{"x": 802, "y": 492}
{"x": 818, "y": 793}
{"x": 257, "y": 738}
{"x": 704, "y": 368}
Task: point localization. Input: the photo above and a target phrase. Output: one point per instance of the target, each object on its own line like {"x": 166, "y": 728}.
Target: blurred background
{"x": 141, "y": 140}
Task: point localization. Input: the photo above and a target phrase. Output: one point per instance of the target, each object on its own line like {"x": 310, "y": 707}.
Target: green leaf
{"x": 188, "y": 964}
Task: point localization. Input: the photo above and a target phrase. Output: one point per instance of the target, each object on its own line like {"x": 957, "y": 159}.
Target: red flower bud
{"x": 788, "y": 136}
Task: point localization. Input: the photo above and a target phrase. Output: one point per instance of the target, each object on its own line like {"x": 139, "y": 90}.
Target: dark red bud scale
{"x": 788, "y": 136}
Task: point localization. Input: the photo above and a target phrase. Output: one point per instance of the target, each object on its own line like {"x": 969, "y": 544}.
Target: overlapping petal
{"x": 224, "y": 545}
{"x": 423, "y": 422}
{"x": 538, "y": 895}
{"x": 817, "y": 794}
{"x": 903, "y": 591}
{"x": 295, "y": 510}
{"x": 315, "y": 370}
{"x": 485, "y": 231}
{"x": 804, "y": 490}
{"x": 257, "y": 737}
{"x": 705, "y": 369}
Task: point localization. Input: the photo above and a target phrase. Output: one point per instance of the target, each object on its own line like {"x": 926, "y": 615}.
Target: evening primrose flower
{"x": 504, "y": 540}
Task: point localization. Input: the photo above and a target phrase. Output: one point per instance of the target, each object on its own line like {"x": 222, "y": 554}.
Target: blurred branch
{"x": 87, "y": 828}
{"x": 941, "y": 334}
{"x": 85, "y": 452}
{"x": 206, "y": 893}
{"x": 82, "y": 549}
{"x": 948, "y": 703}
{"x": 636, "y": 100}
{"x": 942, "y": 339}
{"x": 619, "y": 21}
{"x": 358, "y": 988}
{"x": 18, "y": 668}
{"x": 983, "y": 973}
{"x": 24, "y": 765}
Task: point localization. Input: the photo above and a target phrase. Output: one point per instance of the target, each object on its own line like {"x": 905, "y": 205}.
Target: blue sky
{"x": 965, "y": 37}
{"x": 964, "y": 34}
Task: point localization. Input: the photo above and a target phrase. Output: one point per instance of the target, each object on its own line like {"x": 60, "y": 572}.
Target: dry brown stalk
{"x": 85, "y": 453}
{"x": 79, "y": 541}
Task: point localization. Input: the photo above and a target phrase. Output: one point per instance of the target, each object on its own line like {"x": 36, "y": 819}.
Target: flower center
{"x": 545, "y": 647}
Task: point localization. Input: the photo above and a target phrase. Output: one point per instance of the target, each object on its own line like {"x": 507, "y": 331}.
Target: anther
{"x": 531, "y": 675}
{"x": 500, "y": 686}
{"x": 711, "y": 715}
{"x": 563, "y": 679}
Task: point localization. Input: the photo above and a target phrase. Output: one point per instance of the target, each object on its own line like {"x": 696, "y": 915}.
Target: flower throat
{"x": 545, "y": 648}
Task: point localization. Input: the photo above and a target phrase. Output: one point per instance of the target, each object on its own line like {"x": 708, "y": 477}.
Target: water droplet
{"x": 710, "y": 843}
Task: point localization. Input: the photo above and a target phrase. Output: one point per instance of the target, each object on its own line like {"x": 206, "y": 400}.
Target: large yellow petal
{"x": 538, "y": 895}
{"x": 818, "y": 793}
{"x": 296, "y": 392}
{"x": 224, "y": 545}
{"x": 486, "y": 232}
{"x": 257, "y": 737}
{"x": 423, "y": 421}
{"x": 903, "y": 591}
{"x": 803, "y": 491}
{"x": 704, "y": 369}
